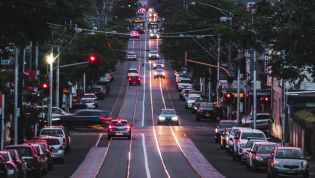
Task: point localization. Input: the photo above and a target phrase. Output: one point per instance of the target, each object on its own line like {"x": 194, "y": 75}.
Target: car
{"x": 248, "y": 146}
{"x": 131, "y": 55}
{"x": 56, "y": 112}
{"x": 134, "y": 79}
{"x": 153, "y": 55}
{"x": 98, "y": 91}
{"x": 183, "y": 84}
{"x": 159, "y": 73}
{"x": 288, "y": 162}
{"x": 184, "y": 93}
{"x": 20, "y": 163}
{"x": 46, "y": 150}
{"x": 262, "y": 121}
{"x": 119, "y": 128}
{"x": 221, "y": 127}
{"x": 132, "y": 71}
{"x": 224, "y": 138}
{"x": 90, "y": 103}
{"x": 106, "y": 78}
{"x": 195, "y": 106}
{"x": 134, "y": 34}
{"x": 158, "y": 64}
{"x": 42, "y": 156}
{"x": 12, "y": 168}
{"x": 206, "y": 111}
{"x": 259, "y": 155}
{"x": 89, "y": 96}
{"x": 154, "y": 35}
{"x": 87, "y": 117}
{"x": 29, "y": 155}
{"x": 57, "y": 147}
{"x": 191, "y": 99}
{"x": 231, "y": 138}
{"x": 241, "y": 137}
{"x": 168, "y": 116}
{"x": 3, "y": 168}
{"x": 58, "y": 131}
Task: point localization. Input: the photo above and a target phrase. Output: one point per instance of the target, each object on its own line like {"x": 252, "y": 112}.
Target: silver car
{"x": 57, "y": 147}
{"x": 168, "y": 116}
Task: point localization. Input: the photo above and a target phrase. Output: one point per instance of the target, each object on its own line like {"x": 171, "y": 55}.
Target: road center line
{"x": 146, "y": 164}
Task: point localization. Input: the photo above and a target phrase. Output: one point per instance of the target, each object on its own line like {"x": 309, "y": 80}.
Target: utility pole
{"x": 16, "y": 84}
{"x": 238, "y": 94}
{"x": 283, "y": 111}
{"x": 57, "y": 77}
{"x": 255, "y": 90}
{"x": 2, "y": 120}
{"x": 186, "y": 58}
{"x": 36, "y": 60}
{"x": 84, "y": 84}
{"x": 218, "y": 68}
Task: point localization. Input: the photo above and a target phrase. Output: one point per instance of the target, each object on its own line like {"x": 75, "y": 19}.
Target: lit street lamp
{"x": 50, "y": 61}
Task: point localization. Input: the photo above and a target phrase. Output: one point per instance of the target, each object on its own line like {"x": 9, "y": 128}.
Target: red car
{"x": 46, "y": 149}
{"x": 134, "y": 79}
{"x": 134, "y": 34}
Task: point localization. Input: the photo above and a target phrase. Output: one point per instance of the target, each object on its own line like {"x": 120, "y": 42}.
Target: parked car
{"x": 231, "y": 138}
{"x": 195, "y": 107}
{"x": 184, "y": 93}
{"x": 119, "y": 128}
{"x": 87, "y": 117}
{"x": 184, "y": 83}
{"x": 3, "y": 168}
{"x": 168, "y": 116}
{"x": 248, "y": 146}
{"x": 206, "y": 111}
{"x": 29, "y": 155}
{"x": 223, "y": 124}
{"x": 191, "y": 99}
{"x": 288, "y": 162}
{"x": 57, "y": 147}
{"x": 259, "y": 155}
{"x": 46, "y": 150}
{"x": 42, "y": 157}
{"x": 12, "y": 168}
{"x": 58, "y": 131}
{"x": 20, "y": 163}
{"x": 98, "y": 91}
{"x": 262, "y": 121}
{"x": 241, "y": 139}
{"x": 105, "y": 78}
{"x": 90, "y": 103}
{"x": 56, "y": 113}
{"x": 89, "y": 96}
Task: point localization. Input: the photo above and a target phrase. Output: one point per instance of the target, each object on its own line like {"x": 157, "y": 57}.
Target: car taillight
{"x": 10, "y": 166}
{"x": 129, "y": 79}
{"x": 110, "y": 127}
{"x": 61, "y": 147}
{"x": 139, "y": 79}
{"x": 128, "y": 127}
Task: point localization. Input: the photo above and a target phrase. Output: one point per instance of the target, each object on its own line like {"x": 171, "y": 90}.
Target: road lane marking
{"x": 144, "y": 77}
{"x": 99, "y": 139}
{"x": 147, "y": 169}
{"x": 161, "y": 90}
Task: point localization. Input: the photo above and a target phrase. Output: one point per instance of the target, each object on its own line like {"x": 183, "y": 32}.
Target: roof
{"x": 229, "y": 121}
{"x": 290, "y": 147}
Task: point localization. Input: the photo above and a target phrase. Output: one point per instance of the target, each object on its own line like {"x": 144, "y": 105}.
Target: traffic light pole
{"x": 255, "y": 92}
{"x": 50, "y": 94}
{"x": 57, "y": 78}
{"x": 16, "y": 86}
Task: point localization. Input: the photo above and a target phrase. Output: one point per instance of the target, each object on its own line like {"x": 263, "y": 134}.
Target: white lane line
{"x": 146, "y": 164}
{"x": 99, "y": 139}
{"x": 161, "y": 90}
{"x": 144, "y": 79}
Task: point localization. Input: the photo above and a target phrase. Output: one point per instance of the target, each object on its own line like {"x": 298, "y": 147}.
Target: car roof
{"x": 229, "y": 121}
{"x": 290, "y": 147}
{"x": 166, "y": 109}
{"x": 134, "y": 75}
{"x": 93, "y": 110}
{"x": 132, "y": 69}
{"x": 266, "y": 143}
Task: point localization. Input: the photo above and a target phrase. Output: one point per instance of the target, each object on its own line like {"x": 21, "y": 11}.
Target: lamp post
{"x": 50, "y": 61}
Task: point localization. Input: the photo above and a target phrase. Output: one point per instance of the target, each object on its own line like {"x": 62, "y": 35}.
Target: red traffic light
{"x": 228, "y": 95}
{"x": 265, "y": 99}
{"x": 92, "y": 58}
{"x": 45, "y": 85}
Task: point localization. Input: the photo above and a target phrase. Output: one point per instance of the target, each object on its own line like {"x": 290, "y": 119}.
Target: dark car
{"x": 119, "y": 128}
{"x": 87, "y": 117}
{"x": 221, "y": 126}
{"x": 46, "y": 150}
{"x": 21, "y": 164}
{"x": 29, "y": 154}
{"x": 260, "y": 154}
{"x": 206, "y": 111}
{"x": 99, "y": 92}
{"x": 3, "y": 168}
{"x": 288, "y": 162}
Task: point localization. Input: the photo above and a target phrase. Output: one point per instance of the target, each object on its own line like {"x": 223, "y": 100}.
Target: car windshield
{"x": 153, "y": 52}
{"x": 227, "y": 124}
{"x": 88, "y": 96}
{"x": 289, "y": 154}
{"x": 91, "y": 113}
{"x": 194, "y": 98}
{"x": 246, "y": 135}
{"x": 185, "y": 81}
{"x": 52, "y": 132}
{"x": 250, "y": 143}
{"x": 263, "y": 117}
{"x": 53, "y": 142}
{"x": 24, "y": 151}
{"x": 159, "y": 70}
{"x": 121, "y": 123}
{"x": 95, "y": 90}
{"x": 87, "y": 100}
{"x": 132, "y": 71}
{"x": 265, "y": 149}
{"x": 168, "y": 111}
{"x": 206, "y": 105}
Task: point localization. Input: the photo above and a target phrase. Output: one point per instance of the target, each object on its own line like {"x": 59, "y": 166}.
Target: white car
{"x": 158, "y": 64}
{"x": 241, "y": 137}
{"x": 90, "y": 96}
{"x": 184, "y": 83}
{"x": 56, "y": 113}
{"x": 131, "y": 55}
{"x": 105, "y": 78}
{"x": 89, "y": 102}
{"x": 57, "y": 147}
{"x": 153, "y": 54}
{"x": 191, "y": 99}
{"x": 159, "y": 73}
{"x": 231, "y": 139}
{"x": 57, "y": 131}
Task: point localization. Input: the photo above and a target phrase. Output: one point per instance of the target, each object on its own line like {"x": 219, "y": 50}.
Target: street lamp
{"x": 50, "y": 61}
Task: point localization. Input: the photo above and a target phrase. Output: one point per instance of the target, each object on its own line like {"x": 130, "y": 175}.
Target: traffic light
{"x": 228, "y": 97}
{"x": 45, "y": 89}
{"x": 265, "y": 99}
{"x": 92, "y": 58}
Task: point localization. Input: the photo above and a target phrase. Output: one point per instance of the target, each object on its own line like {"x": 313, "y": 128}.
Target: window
{"x": 246, "y": 135}
{"x": 265, "y": 149}
{"x": 52, "y": 132}
{"x": 289, "y": 154}
{"x": 168, "y": 112}
{"x": 53, "y": 142}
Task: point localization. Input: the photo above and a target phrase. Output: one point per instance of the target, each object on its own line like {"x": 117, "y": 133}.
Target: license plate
{"x": 119, "y": 133}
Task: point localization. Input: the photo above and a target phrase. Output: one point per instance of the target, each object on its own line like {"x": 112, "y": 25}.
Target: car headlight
{"x": 155, "y": 73}
{"x": 259, "y": 158}
{"x": 163, "y": 73}
{"x": 175, "y": 118}
{"x": 157, "y": 55}
{"x": 161, "y": 118}
{"x": 216, "y": 130}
